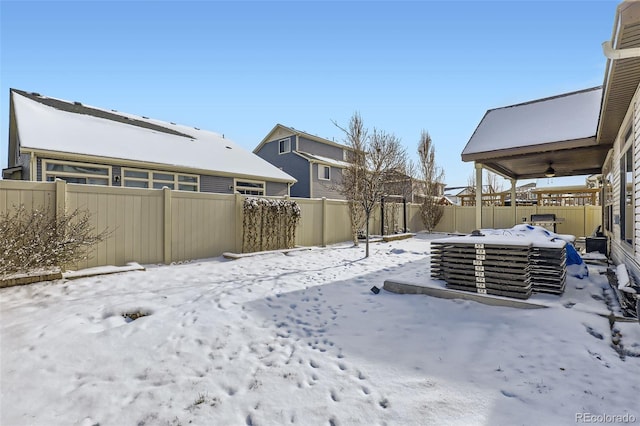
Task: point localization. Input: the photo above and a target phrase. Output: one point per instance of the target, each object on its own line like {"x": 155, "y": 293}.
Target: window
{"x": 607, "y": 194}
{"x": 627, "y": 218}
{"x": 324, "y": 172}
{"x": 91, "y": 174}
{"x": 284, "y": 145}
{"x": 249, "y": 187}
{"x": 134, "y": 178}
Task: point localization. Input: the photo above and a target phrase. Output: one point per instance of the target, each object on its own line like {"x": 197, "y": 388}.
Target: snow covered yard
{"x": 300, "y": 339}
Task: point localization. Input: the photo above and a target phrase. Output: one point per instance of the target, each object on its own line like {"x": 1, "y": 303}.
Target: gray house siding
{"x": 327, "y": 188}
{"x": 208, "y": 183}
{"x": 24, "y": 160}
{"x": 322, "y": 149}
{"x": 218, "y": 184}
{"x": 291, "y": 163}
{"x": 276, "y": 189}
{"x": 116, "y": 171}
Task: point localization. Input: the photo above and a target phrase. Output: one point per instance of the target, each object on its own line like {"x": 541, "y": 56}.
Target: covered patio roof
{"x": 521, "y": 141}
{"x": 572, "y": 132}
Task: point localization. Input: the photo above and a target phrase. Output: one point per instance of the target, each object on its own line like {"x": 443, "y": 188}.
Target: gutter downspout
{"x": 614, "y": 54}
{"x": 310, "y": 179}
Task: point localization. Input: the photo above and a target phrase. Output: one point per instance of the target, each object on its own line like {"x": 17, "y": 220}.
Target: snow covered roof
{"x": 560, "y": 118}
{"x": 324, "y": 160}
{"x": 49, "y": 124}
{"x": 521, "y": 141}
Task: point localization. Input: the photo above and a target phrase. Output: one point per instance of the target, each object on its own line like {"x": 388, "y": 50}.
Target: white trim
{"x": 250, "y": 190}
{"x": 154, "y": 182}
{"x": 68, "y": 174}
{"x": 287, "y": 146}
{"x": 321, "y": 174}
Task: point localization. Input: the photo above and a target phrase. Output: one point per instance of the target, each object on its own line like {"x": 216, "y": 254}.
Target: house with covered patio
{"x": 587, "y": 132}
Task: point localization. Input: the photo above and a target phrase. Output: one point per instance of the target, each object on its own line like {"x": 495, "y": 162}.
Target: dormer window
{"x": 284, "y": 146}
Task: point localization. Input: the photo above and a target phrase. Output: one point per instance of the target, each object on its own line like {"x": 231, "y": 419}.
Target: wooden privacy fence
{"x": 163, "y": 226}
{"x": 578, "y": 220}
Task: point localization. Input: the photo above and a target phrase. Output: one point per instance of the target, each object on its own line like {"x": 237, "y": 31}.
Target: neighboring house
{"x": 316, "y": 163}
{"x": 418, "y": 191}
{"x": 465, "y": 195}
{"x": 51, "y": 138}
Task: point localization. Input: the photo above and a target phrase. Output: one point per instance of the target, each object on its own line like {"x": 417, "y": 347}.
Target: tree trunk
{"x": 366, "y": 251}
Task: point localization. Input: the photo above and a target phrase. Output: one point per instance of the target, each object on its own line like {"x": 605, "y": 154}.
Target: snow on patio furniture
{"x": 506, "y": 262}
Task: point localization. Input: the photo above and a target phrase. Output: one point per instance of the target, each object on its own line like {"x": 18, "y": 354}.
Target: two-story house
{"x": 316, "y": 163}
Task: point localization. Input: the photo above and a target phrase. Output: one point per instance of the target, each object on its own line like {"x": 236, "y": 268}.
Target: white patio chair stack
{"x": 511, "y": 268}
{"x": 496, "y": 269}
{"x": 548, "y": 269}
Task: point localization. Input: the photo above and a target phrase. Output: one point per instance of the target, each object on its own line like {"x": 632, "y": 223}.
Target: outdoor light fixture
{"x": 550, "y": 172}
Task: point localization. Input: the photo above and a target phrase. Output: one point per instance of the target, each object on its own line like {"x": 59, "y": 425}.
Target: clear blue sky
{"x": 240, "y": 67}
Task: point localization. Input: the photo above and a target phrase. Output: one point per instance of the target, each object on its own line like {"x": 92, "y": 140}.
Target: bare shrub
{"x": 40, "y": 239}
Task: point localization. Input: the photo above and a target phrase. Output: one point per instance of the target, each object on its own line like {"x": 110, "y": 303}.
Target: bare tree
{"x": 356, "y": 139}
{"x": 471, "y": 182}
{"x": 374, "y": 158}
{"x": 494, "y": 181}
{"x": 431, "y": 210}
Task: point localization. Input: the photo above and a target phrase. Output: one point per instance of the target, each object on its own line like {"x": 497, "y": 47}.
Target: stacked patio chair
{"x": 508, "y": 268}
{"x": 548, "y": 269}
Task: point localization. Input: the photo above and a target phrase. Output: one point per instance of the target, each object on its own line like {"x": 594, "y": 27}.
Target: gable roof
{"x": 521, "y": 141}
{"x": 49, "y": 124}
{"x": 280, "y": 131}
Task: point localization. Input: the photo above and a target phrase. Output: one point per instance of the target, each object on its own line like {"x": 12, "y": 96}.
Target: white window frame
{"x": 238, "y": 185}
{"x": 56, "y": 174}
{"x": 287, "y": 146}
{"x": 321, "y": 169}
{"x": 152, "y": 180}
{"x": 627, "y": 198}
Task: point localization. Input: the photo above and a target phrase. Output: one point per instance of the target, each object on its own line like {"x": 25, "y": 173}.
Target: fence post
{"x": 324, "y": 222}
{"x": 166, "y": 192}
{"x": 61, "y": 198}
{"x": 455, "y": 218}
{"x": 239, "y": 221}
{"x": 404, "y": 215}
{"x": 382, "y": 216}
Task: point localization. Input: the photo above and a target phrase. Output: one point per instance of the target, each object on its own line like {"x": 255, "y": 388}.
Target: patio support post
{"x": 478, "y": 195}
{"x": 514, "y": 202}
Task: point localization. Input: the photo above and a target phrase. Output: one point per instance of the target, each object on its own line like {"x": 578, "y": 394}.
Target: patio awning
{"x": 522, "y": 141}
{"x": 572, "y": 132}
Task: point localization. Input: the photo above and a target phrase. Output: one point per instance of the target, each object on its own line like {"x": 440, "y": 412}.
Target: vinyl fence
{"x": 163, "y": 226}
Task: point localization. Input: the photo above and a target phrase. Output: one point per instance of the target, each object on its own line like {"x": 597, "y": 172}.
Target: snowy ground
{"x": 300, "y": 339}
